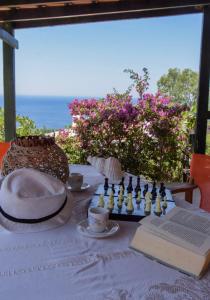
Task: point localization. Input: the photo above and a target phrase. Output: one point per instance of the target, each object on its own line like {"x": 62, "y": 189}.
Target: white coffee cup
{"x": 98, "y": 218}
{"x": 75, "y": 181}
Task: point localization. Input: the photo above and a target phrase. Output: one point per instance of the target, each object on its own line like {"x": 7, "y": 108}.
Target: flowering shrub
{"x": 71, "y": 147}
{"x": 147, "y": 137}
{"x": 25, "y": 126}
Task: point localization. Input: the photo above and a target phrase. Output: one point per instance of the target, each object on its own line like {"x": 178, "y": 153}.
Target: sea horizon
{"x": 50, "y": 112}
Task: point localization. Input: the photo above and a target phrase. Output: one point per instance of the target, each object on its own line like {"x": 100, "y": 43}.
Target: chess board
{"x": 138, "y": 212}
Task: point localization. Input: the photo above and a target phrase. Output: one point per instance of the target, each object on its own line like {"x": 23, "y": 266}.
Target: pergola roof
{"x": 37, "y": 13}
{"x": 15, "y": 14}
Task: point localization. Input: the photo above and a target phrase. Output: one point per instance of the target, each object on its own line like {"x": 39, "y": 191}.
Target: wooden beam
{"x": 8, "y": 38}
{"x": 203, "y": 92}
{"x": 15, "y": 3}
{"x": 104, "y": 18}
{"x": 122, "y": 6}
{"x": 149, "y": 4}
{"x": 9, "y": 89}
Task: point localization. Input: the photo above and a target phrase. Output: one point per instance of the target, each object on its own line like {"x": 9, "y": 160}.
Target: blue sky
{"x": 89, "y": 59}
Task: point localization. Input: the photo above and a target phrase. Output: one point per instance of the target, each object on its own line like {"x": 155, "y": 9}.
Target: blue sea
{"x": 46, "y": 111}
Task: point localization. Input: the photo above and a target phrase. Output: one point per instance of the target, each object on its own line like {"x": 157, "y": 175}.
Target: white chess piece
{"x": 130, "y": 207}
{"x": 148, "y": 203}
{"x": 110, "y": 204}
{"x": 138, "y": 199}
{"x": 158, "y": 210}
{"x": 101, "y": 201}
{"x": 120, "y": 201}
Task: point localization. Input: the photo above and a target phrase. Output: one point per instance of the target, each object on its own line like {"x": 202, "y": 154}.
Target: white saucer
{"x": 84, "y": 187}
{"x": 85, "y": 230}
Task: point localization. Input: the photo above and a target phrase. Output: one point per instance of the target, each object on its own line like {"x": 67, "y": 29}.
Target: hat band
{"x": 32, "y": 221}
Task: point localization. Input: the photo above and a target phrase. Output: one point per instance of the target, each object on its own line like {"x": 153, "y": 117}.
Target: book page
{"x": 178, "y": 234}
{"x": 188, "y": 219}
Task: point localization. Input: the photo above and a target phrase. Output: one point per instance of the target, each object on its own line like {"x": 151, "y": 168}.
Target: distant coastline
{"x": 50, "y": 112}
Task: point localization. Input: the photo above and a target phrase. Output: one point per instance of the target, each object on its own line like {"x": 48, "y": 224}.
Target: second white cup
{"x": 98, "y": 219}
{"x": 75, "y": 181}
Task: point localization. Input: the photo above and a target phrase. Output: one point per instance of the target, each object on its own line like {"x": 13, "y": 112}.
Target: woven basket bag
{"x": 37, "y": 152}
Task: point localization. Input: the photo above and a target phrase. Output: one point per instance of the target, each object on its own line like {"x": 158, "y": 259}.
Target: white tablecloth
{"x": 60, "y": 264}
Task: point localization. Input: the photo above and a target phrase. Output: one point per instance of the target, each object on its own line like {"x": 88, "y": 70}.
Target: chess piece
{"x": 154, "y": 193}
{"x": 106, "y": 186}
{"x": 161, "y": 187}
{"x": 148, "y": 203}
{"x": 148, "y": 196}
{"x": 158, "y": 210}
{"x": 120, "y": 193}
{"x": 146, "y": 187}
{"x": 101, "y": 201}
{"x": 110, "y": 204}
{"x": 120, "y": 201}
{"x": 130, "y": 186}
{"x": 111, "y": 196}
{"x": 165, "y": 204}
{"x": 129, "y": 196}
{"x": 121, "y": 190}
{"x": 138, "y": 187}
{"x": 138, "y": 199}
{"x": 113, "y": 189}
{"x": 130, "y": 207}
{"x": 121, "y": 184}
{"x": 106, "y": 183}
{"x": 163, "y": 192}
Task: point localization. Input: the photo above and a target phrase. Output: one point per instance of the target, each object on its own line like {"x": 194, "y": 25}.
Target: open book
{"x": 180, "y": 239}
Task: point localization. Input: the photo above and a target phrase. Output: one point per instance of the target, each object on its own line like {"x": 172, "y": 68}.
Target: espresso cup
{"x": 98, "y": 219}
{"x": 75, "y": 181}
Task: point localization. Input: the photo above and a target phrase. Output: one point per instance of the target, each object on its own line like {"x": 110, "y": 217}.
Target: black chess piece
{"x": 106, "y": 186}
{"x": 146, "y": 187}
{"x": 154, "y": 198}
{"x": 138, "y": 187}
{"x": 113, "y": 189}
{"x": 154, "y": 192}
{"x": 130, "y": 186}
{"x": 122, "y": 183}
{"x": 163, "y": 192}
{"x": 161, "y": 187}
{"x": 153, "y": 187}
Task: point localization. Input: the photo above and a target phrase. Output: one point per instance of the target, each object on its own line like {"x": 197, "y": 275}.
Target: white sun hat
{"x": 32, "y": 201}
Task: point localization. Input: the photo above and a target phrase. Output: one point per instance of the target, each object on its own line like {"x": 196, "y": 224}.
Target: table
{"x": 60, "y": 264}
